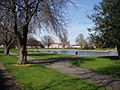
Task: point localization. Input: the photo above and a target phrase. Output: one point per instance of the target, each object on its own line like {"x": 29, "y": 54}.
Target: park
{"x": 38, "y": 51}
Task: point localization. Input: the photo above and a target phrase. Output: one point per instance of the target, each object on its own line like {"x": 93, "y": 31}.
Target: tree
{"x": 47, "y": 40}
{"x": 80, "y": 40}
{"x": 31, "y": 14}
{"x": 63, "y": 36}
{"x": 107, "y": 21}
{"x": 6, "y": 31}
{"x": 7, "y": 40}
{"x": 96, "y": 41}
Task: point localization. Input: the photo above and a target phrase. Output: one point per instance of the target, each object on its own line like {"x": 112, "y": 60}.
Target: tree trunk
{"x": 48, "y": 46}
{"x": 6, "y": 50}
{"x": 21, "y": 38}
{"x": 22, "y": 46}
{"x": 118, "y": 50}
{"x": 22, "y": 55}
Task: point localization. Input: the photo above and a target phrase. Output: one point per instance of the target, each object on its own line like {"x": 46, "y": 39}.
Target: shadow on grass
{"x": 110, "y": 57}
{"x": 67, "y": 84}
{"x": 113, "y": 70}
{"x": 81, "y": 60}
{"x": 1, "y": 51}
{"x": 41, "y": 54}
{"x": 6, "y": 81}
{"x": 48, "y": 61}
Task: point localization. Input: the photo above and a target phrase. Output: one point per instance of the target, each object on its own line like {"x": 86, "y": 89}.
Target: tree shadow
{"x": 73, "y": 59}
{"x": 110, "y": 57}
{"x": 113, "y": 70}
{"x": 41, "y": 54}
{"x": 81, "y": 60}
{"x": 1, "y": 51}
{"x": 6, "y": 81}
{"x": 62, "y": 84}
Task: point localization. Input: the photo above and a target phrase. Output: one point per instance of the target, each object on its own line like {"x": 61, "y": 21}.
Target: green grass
{"x": 96, "y": 49}
{"x": 50, "y": 49}
{"x": 14, "y": 50}
{"x": 104, "y": 65}
{"x": 37, "y": 77}
{"x": 46, "y": 55}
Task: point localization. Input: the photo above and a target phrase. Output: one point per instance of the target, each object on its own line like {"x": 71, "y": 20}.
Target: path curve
{"x": 85, "y": 74}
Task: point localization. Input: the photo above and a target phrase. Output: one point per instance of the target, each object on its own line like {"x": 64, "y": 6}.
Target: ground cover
{"x": 46, "y": 55}
{"x": 105, "y": 65}
{"x": 38, "y": 77}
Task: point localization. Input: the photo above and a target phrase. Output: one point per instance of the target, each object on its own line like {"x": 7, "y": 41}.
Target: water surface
{"x": 80, "y": 53}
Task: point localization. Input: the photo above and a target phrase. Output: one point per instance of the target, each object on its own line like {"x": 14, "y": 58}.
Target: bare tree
{"x": 63, "y": 36}
{"x": 31, "y": 14}
{"x": 6, "y": 30}
{"x": 80, "y": 40}
{"x": 47, "y": 40}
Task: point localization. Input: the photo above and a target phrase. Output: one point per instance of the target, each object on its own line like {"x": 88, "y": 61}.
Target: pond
{"x": 80, "y": 52}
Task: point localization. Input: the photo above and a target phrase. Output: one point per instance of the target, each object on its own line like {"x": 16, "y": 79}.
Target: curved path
{"x": 85, "y": 74}
{"x": 98, "y": 79}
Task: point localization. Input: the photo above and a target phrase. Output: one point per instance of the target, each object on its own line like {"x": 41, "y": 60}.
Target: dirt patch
{"x": 23, "y": 65}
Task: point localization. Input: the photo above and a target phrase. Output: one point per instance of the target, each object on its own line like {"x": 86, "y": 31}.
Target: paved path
{"x": 65, "y": 67}
{"x": 98, "y": 79}
{"x": 6, "y": 81}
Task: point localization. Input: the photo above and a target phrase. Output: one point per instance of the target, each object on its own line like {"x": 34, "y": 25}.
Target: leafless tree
{"x": 6, "y": 30}
{"x": 31, "y": 14}
{"x": 80, "y": 40}
{"x": 47, "y": 40}
{"x": 63, "y": 36}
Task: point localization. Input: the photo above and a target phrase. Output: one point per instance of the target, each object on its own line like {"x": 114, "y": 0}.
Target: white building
{"x": 56, "y": 45}
{"x": 75, "y": 46}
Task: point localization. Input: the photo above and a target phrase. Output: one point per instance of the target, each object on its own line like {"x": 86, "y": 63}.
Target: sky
{"x": 78, "y": 21}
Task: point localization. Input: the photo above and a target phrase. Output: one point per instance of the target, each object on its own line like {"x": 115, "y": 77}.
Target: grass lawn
{"x": 105, "y": 65}
{"x": 46, "y": 55}
{"x": 29, "y": 49}
{"x": 37, "y": 77}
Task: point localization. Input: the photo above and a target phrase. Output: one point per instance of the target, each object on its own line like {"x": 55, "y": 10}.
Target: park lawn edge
{"x": 14, "y": 71}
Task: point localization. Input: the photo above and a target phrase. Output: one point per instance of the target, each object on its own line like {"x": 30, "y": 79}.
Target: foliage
{"x": 107, "y": 23}
{"x": 80, "y": 40}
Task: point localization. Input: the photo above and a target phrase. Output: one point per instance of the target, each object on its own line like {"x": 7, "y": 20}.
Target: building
{"x": 75, "y": 46}
{"x": 55, "y": 45}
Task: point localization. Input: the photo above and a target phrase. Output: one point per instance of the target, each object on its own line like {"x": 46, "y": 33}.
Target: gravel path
{"x": 6, "y": 81}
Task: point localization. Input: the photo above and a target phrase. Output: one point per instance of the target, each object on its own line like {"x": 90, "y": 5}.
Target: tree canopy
{"x": 47, "y": 40}
{"x": 107, "y": 22}
{"x": 80, "y": 40}
{"x": 33, "y": 14}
